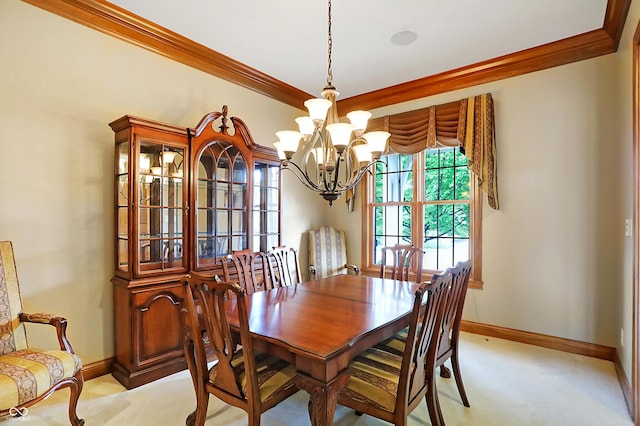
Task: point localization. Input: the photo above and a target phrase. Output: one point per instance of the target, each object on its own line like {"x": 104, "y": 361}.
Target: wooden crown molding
{"x": 614, "y": 19}
{"x": 572, "y": 49}
{"x": 115, "y": 21}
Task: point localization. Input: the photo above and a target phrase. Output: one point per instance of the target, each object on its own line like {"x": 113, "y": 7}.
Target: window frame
{"x": 368, "y": 226}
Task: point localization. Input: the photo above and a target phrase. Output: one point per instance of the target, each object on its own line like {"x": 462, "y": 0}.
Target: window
{"x": 430, "y": 200}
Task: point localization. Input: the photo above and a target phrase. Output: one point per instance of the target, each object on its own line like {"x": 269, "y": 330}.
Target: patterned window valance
{"x": 468, "y": 123}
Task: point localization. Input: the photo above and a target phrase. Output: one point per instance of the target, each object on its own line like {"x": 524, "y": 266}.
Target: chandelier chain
{"x": 330, "y": 47}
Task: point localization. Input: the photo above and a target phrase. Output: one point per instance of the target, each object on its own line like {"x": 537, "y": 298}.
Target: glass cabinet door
{"x": 266, "y": 206}
{"x": 161, "y": 211}
{"x": 122, "y": 207}
{"x": 221, "y": 200}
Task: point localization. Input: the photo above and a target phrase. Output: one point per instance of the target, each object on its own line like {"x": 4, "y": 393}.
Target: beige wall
{"x": 60, "y": 85}
{"x": 555, "y": 257}
{"x": 624, "y": 147}
{"x": 553, "y": 254}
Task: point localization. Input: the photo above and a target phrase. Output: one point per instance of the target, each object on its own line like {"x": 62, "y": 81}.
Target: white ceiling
{"x": 287, "y": 39}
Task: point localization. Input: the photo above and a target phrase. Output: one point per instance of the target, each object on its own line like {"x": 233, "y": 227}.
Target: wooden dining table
{"x": 321, "y": 325}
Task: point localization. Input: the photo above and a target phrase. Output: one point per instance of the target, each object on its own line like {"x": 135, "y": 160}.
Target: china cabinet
{"x": 184, "y": 199}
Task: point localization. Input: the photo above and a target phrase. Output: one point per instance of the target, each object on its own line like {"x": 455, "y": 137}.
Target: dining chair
{"x": 328, "y": 253}
{"x": 27, "y": 374}
{"x": 388, "y": 383}
{"x": 252, "y": 381}
{"x": 248, "y": 268}
{"x": 450, "y": 335}
{"x": 405, "y": 260}
{"x": 283, "y": 266}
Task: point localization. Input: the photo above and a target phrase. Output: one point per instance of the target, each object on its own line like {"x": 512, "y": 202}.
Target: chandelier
{"x": 334, "y": 156}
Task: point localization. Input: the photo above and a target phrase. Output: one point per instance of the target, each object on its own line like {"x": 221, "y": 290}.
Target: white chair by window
{"x": 328, "y": 253}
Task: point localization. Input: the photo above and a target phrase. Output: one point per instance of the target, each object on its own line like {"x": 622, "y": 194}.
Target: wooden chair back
{"x": 283, "y": 266}
{"x": 409, "y": 363}
{"x": 450, "y": 334}
{"x": 405, "y": 260}
{"x": 418, "y": 363}
{"x": 454, "y": 305}
{"x": 250, "y": 270}
{"x": 211, "y": 296}
{"x": 241, "y": 377}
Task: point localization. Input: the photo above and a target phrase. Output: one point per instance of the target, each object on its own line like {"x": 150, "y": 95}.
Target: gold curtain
{"x": 477, "y": 133}
{"x": 468, "y": 123}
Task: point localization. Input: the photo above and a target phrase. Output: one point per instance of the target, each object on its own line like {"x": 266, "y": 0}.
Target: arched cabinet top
{"x": 218, "y": 126}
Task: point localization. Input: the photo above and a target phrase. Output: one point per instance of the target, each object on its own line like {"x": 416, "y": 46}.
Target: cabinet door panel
{"x": 159, "y": 325}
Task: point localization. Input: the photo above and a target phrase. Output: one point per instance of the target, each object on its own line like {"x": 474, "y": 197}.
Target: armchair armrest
{"x": 59, "y": 323}
{"x": 353, "y": 268}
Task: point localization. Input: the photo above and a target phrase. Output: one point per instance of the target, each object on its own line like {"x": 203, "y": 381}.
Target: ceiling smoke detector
{"x": 403, "y": 38}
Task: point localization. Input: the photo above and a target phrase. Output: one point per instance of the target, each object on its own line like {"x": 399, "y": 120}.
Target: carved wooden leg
{"x": 201, "y": 409}
{"x": 76, "y": 388}
{"x": 189, "y": 357}
{"x": 458, "y": 376}
{"x": 191, "y": 419}
{"x": 197, "y": 369}
{"x": 433, "y": 404}
{"x": 445, "y": 372}
{"x": 323, "y": 396}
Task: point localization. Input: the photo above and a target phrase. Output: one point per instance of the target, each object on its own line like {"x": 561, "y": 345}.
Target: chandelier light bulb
{"x": 340, "y": 135}
{"x": 306, "y": 125}
{"x": 377, "y": 141}
{"x": 281, "y": 154}
{"x": 319, "y": 156}
{"x": 363, "y": 154}
{"x": 318, "y": 108}
{"x": 359, "y": 119}
{"x": 289, "y": 140}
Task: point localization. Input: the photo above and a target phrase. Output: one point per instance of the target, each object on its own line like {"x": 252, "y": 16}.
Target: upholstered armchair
{"x": 328, "y": 253}
{"x": 29, "y": 375}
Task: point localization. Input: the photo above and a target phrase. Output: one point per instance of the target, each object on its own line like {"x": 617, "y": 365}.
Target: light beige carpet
{"x": 508, "y": 384}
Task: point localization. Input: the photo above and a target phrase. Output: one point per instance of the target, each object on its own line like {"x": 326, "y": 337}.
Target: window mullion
{"x": 417, "y": 215}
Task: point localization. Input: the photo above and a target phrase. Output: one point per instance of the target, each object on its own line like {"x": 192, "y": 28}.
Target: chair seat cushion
{"x": 396, "y": 343}
{"x": 374, "y": 376}
{"x": 27, "y": 374}
{"x": 274, "y": 374}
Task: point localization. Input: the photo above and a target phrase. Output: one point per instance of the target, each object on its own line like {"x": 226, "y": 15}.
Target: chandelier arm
{"x": 336, "y": 181}
{"x": 361, "y": 173}
{"x": 301, "y": 175}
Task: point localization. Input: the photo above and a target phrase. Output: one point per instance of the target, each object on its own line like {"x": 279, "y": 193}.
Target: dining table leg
{"x": 323, "y": 396}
